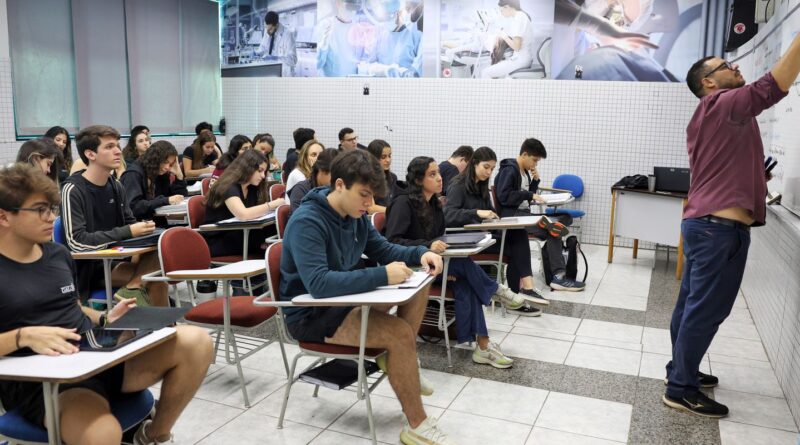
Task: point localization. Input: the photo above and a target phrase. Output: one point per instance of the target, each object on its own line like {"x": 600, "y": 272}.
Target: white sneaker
{"x": 492, "y": 355}
{"x": 508, "y": 298}
{"x": 427, "y": 433}
{"x": 140, "y": 438}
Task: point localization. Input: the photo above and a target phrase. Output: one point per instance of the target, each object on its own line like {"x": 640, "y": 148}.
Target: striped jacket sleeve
{"x": 74, "y": 214}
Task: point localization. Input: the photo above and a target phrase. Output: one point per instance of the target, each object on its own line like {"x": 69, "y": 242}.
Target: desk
{"x": 52, "y": 371}
{"x": 107, "y": 256}
{"x": 648, "y": 216}
{"x": 245, "y": 228}
{"x": 503, "y": 225}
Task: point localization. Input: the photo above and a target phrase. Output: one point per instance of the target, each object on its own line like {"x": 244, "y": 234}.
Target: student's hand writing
{"x": 397, "y": 272}
{"x": 121, "y": 308}
{"x": 49, "y": 340}
{"x": 142, "y": 228}
{"x": 432, "y": 263}
{"x": 277, "y": 203}
{"x": 487, "y": 214}
{"x": 175, "y": 199}
{"x": 438, "y": 246}
{"x": 538, "y": 199}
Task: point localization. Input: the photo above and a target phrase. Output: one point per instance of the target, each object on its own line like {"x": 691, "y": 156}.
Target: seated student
{"x": 96, "y": 214}
{"x": 320, "y": 176}
{"x": 456, "y": 164}
{"x": 201, "y": 157}
{"x": 307, "y": 157}
{"x": 266, "y": 143}
{"x": 240, "y": 192}
{"x": 515, "y": 186}
{"x": 138, "y": 143}
{"x": 415, "y": 218}
{"x": 154, "y": 180}
{"x": 141, "y": 129}
{"x": 80, "y": 165}
{"x": 41, "y": 314}
{"x": 381, "y": 150}
{"x": 348, "y": 139}
{"x": 468, "y": 202}
{"x": 318, "y": 260}
{"x": 61, "y": 137}
{"x": 237, "y": 145}
{"x": 300, "y": 137}
{"x": 43, "y": 154}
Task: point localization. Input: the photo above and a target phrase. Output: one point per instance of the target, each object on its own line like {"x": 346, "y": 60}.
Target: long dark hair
{"x": 130, "y": 152}
{"x": 32, "y": 151}
{"x": 239, "y": 172}
{"x": 203, "y": 138}
{"x": 233, "y": 150}
{"x": 151, "y": 162}
{"x": 471, "y": 183}
{"x": 375, "y": 148}
{"x": 67, "y": 152}
{"x": 265, "y": 137}
{"x": 414, "y": 177}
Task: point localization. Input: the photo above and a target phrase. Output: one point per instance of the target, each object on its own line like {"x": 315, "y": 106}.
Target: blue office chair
{"x": 129, "y": 409}
{"x": 574, "y": 184}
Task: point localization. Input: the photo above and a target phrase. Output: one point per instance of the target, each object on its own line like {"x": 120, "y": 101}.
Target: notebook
{"x": 149, "y": 318}
{"x": 141, "y": 241}
{"x": 237, "y": 221}
{"x": 462, "y": 240}
{"x": 413, "y": 282}
{"x": 104, "y": 340}
{"x": 337, "y": 373}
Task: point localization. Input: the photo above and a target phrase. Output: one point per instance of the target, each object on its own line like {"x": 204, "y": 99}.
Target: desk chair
{"x": 574, "y": 184}
{"x": 277, "y": 191}
{"x": 379, "y": 221}
{"x": 205, "y": 186}
{"x": 322, "y": 351}
{"x": 181, "y": 248}
{"x": 129, "y": 409}
{"x": 197, "y": 214}
{"x": 540, "y": 68}
{"x": 282, "y": 214}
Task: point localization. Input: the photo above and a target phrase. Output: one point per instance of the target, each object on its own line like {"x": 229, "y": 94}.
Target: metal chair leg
{"x": 288, "y": 388}
{"x": 238, "y": 367}
{"x": 373, "y": 434}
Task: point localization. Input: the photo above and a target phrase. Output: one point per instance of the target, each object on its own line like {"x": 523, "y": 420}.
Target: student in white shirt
{"x": 517, "y": 34}
{"x": 305, "y": 160}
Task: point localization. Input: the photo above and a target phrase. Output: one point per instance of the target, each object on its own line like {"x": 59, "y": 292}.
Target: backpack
{"x": 633, "y": 182}
{"x": 571, "y": 249}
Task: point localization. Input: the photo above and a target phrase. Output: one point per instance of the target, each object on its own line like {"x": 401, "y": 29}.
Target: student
{"x": 42, "y": 153}
{"x": 306, "y": 159}
{"x": 149, "y": 181}
{"x": 240, "y": 192}
{"x": 456, "y": 164}
{"x": 201, "y": 157}
{"x": 138, "y": 143}
{"x": 300, "y": 137}
{"x": 80, "y": 165}
{"x": 317, "y": 259}
{"x": 96, "y": 214}
{"x": 266, "y": 143}
{"x": 381, "y": 150}
{"x": 61, "y": 137}
{"x": 41, "y": 314}
{"x": 516, "y": 184}
{"x": 320, "y": 177}
{"x": 468, "y": 202}
{"x": 348, "y": 139}
{"x": 415, "y": 218}
{"x": 237, "y": 145}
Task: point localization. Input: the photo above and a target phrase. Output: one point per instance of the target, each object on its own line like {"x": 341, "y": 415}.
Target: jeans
{"x": 472, "y": 290}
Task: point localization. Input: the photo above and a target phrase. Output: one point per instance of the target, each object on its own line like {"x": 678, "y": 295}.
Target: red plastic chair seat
{"x": 488, "y": 257}
{"x": 243, "y": 312}
{"x": 327, "y": 348}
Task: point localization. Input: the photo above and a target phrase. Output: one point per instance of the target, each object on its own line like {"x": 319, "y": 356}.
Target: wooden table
{"x": 107, "y": 256}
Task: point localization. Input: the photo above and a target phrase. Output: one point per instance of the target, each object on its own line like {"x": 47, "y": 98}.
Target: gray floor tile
{"x": 733, "y": 433}
{"x": 465, "y": 428}
{"x": 603, "y": 358}
{"x": 544, "y": 436}
{"x": 586, "y": 416}
{"x": 252, "y": 428}
{"x": 201, "y": 418}
{"x": 752, "y": 409}
{"x": 747, "y": 379}
{"x": 514, "y": 403}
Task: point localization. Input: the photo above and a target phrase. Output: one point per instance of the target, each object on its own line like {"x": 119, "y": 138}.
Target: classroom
{"x": 418, "y": 222}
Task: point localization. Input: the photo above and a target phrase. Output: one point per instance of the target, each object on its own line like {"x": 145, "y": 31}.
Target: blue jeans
{"x": 472, "y": 290}
{"x": 715, "y": 259}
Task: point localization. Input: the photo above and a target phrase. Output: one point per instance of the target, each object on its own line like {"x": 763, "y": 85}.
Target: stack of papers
{"x": 234, "y": 220}
{"x": 183, "y": 207}
{"x": 556, "y": 198}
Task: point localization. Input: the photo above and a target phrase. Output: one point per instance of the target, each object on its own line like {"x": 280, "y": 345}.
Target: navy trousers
{"x": 715, "y": 259}
{"x": 472, "y": 289}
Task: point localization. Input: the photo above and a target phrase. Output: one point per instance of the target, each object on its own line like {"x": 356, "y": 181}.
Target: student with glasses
{"x": 726, "y": 199}
{"x": 348, "y": 139}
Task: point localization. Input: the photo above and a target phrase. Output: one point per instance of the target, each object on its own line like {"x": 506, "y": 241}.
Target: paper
{"x": 234, "y": 220}
{"x": 413, "y": 282}
{"x": 555, "y": 198}
{"x": 197, "y": 187}
{"x": 182, "y": 207}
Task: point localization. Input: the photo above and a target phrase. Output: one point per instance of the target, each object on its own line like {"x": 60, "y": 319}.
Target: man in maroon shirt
{"x": 726, "y": 198}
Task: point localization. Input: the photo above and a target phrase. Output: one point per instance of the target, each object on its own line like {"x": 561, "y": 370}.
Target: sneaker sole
{"x": 565, "y": 288}
{"x": 541, "y": 301}
{"x": 680, "y": 407}
{"x": 707, "y": 385}
{"x": 483, "y": 361}
{"x": 524, "y": 314}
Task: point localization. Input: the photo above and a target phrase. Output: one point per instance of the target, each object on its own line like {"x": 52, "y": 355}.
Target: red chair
{"x": 379, "y": 221}
{"x": 181, "y": 248}
{"x": 277, "y": 191}
{"x": 197, "y": 214}
{"x": 282, "y": 215}
{"x": 205, "y": 186}
{"x": 323, "y": 351}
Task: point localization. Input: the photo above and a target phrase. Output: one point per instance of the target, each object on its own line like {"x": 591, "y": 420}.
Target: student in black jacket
{"x": 515, "y": 186}
{"x": 415, "y": 218}
{"x": 381, "y": 150}
{"x": 468, "y": 202}
{"x": 320, "y": 177}
{"x": 456, "y": 164}
{"x": 154, "y": 180}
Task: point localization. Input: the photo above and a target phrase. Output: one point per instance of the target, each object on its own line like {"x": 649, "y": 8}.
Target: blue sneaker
{"x": 567, "y": 285}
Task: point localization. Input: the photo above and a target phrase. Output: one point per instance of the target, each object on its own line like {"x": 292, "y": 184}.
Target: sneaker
{"x": 140, "y": 294}
{"x": 699, "y": 404}
{"x": 526, "y": 310}
{"x": 492, "y": 355}
{"x": 425, "y": 385}
{"x": 534, "y": 297}
{"x": 508, "y": 298}
{"x": 427, "y": 433}
{"x": 706, "y": 380}
{"x": 140, "y": 438}
{"x": 566, "y": 284}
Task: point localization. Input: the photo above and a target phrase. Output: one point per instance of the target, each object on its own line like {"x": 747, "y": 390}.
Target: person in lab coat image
{"x": 278, "y": 43}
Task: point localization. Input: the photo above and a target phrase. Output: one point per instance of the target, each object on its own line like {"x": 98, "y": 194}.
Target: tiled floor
{"x": 588, "y": 371}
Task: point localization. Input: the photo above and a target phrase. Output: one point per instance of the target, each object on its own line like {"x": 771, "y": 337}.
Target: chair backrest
{"x": 493, "y": 196}
{"x": 282, "y": 218}
{"x": 196, "y": 211}
{"x": 58, "y": 231}
{"x": 544, "y": 54}
{"x": 181, "y": 248}
{"x": 273, "y": 259}
{"x": 277, "y": 191}
{"x": 379, "y": 221}
{"x": 573, "y": 183}
{"x": 205, "y": 185}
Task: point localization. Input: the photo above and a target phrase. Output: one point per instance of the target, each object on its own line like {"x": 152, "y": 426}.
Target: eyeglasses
{"x": 724, "y": 65}
{"x": 44, "y": 211}
{"x": 354, "y": 138}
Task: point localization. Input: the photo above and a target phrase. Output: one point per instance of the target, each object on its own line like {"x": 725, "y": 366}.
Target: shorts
{"x": 321, "y": 323}
{"x": 27, "y": 400}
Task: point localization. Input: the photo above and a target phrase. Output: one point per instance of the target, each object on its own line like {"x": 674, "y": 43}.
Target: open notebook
{"x": 234, "y": 220}
{"x": 413, "y": 282}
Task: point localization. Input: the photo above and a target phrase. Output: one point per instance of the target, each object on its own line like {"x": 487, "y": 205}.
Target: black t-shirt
{"x": 104, "y": 210}
{"x": 448, "y": 172}
{"x": 220, "y": 213}
{"x": 188, "y": 153}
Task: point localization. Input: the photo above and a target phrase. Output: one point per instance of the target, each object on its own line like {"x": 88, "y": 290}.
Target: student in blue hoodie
{"x": 322, "y": 246}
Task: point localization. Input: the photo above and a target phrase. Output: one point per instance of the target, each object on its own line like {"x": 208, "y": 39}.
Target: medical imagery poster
{"x": 327, "y": 38}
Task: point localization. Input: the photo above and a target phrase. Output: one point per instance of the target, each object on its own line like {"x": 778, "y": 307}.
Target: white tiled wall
{"x": 600, "y": 131}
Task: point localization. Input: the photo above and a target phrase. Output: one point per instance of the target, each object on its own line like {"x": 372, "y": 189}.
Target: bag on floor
{"x": 571, "y": 249}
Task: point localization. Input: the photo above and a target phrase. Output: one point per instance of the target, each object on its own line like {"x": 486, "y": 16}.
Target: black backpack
{"x": 633, "y": 182}
{"x": 571, "y": 249}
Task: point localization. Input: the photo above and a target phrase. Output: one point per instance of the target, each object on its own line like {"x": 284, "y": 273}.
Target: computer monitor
{"x": 672, "y": 179}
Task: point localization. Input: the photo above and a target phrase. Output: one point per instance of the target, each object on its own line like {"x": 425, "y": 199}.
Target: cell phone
{"x": 771, "y": 166}
{"x": 767, "y": 161}
{"x": 100, "y": 339}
